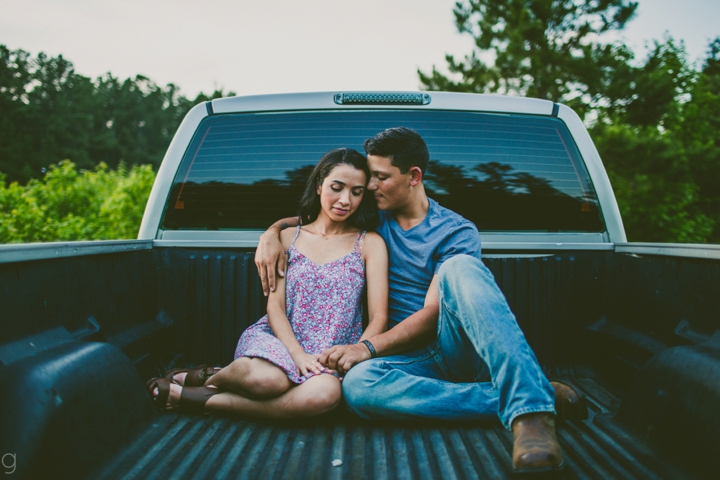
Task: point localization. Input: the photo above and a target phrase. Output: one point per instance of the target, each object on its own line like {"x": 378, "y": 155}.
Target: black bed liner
{"x": 74, "y": 399}
{"x": 212, "y": 446}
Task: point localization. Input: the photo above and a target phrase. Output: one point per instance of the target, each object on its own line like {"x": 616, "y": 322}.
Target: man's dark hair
{"x": 404, "y": 147}
{"x": 366, "y": 216}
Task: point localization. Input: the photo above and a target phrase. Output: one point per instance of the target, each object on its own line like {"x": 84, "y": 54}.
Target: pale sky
{"x": 255, "y": 47}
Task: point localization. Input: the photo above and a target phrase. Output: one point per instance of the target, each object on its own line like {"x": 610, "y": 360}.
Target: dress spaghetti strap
{"x": 359, "y": 242}
{"x": 296, "y": 235}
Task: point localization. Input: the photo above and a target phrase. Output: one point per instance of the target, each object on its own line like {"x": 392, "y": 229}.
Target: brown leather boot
{"x": 569, "y": 404}
{"x": 536, "y": 448}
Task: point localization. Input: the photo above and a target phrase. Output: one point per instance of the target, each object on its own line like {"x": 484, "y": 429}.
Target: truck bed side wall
{"x": 202, "y": 299}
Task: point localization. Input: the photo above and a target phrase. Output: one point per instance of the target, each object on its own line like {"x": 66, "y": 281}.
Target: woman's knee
{"x": 324, "y": 397}
{"x": 267, "y": 380}
{"x": 253, "y": 376}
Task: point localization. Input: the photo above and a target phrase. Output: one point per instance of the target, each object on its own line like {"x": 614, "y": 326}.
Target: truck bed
{"x": 82, "y": 333}
{"x": 218, "y": 447}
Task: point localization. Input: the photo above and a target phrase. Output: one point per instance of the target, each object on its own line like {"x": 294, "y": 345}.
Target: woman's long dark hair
{"x": 365, "y": 217}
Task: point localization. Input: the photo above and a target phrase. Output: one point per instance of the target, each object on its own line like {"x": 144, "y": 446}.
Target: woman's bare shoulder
{"x": 375, "y": 238}
{"x": 287, "y": 236}
{"x": 374, "y": 243}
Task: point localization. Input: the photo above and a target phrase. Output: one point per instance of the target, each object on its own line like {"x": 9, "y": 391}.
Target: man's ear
{"x": 415, "y": 176}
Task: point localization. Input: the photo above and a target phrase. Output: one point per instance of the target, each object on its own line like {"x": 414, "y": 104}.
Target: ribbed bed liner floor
{"x": 341, "y": 446}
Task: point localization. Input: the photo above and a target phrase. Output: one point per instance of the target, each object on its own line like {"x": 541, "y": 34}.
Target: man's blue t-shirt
{"x": 416, "y": 254}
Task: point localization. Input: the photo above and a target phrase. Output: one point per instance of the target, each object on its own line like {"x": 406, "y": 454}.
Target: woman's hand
{"x": 307, "y": 363}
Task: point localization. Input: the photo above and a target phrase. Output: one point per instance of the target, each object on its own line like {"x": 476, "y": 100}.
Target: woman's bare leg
{"x": 252, "y": 378}
{"x": 254, "y": 386}
{"x": 317, "y": 395}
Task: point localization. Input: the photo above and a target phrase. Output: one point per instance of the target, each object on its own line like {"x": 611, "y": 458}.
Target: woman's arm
{"x": 341, "y": 358}
{"x": 416, "y": 330}
{"x": 375, "y": 256}
{"x": 280, "y": 325}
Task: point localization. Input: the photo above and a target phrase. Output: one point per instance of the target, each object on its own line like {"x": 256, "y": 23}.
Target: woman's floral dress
{"x": 324, "y": 307}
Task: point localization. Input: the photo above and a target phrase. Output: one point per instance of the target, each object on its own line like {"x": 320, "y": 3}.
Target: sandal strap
{"x": 195, "y": 377}
{"x": 163, "y": 386}
{"x": 193, "y": 399}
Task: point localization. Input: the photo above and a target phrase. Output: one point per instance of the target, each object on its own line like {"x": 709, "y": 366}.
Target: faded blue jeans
{"x": 479, "y": 367}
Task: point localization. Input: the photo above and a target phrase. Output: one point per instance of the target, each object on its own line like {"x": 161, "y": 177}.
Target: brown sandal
{"x": 192, "y": 399}
{"x": 196, "y": 377}
{"x": 163, "y": 387}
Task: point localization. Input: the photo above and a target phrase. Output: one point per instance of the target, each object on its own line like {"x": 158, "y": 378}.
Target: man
{"x": 454, "y": 350}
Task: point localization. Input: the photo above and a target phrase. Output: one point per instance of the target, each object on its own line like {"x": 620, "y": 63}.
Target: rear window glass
{"x": 502, "y": 172}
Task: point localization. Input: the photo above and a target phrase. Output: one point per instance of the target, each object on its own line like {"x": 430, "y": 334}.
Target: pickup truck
{"x": 632, "y": 326}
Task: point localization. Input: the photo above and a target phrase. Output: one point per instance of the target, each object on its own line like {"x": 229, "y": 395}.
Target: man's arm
{"x": 415, "y": 331}
{"x": 270, "y": 255}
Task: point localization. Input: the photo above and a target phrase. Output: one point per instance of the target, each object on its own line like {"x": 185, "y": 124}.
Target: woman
{"x": 317, "y": 305}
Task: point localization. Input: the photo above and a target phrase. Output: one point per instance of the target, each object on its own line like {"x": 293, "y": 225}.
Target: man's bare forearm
{"x": 414, "y": 332}
{"x": 269, "y": 256}
{"x": 284, "y": 223}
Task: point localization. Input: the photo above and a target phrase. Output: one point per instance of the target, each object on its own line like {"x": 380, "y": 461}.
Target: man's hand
{"x": 269, "y": 258}
{"x": 342, "y": 358}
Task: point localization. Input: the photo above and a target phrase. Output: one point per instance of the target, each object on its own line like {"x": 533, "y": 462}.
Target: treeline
{"x": 655, "y": 120}
{"x": 77, "y": 155}
{"x": 50, "y": 113}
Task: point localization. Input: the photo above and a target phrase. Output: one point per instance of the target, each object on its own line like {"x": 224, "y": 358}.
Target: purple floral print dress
{"x": 324, "y": 308}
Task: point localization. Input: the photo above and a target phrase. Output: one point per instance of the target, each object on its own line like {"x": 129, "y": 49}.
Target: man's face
{"x": 387, "y": 184}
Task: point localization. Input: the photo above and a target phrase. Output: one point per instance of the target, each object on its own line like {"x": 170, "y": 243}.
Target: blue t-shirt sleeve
{"x": 463, "y": 240}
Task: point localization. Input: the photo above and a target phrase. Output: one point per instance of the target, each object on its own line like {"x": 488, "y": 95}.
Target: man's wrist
{"x": 371, "y": 347}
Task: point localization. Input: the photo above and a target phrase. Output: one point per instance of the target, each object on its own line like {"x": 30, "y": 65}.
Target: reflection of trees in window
{"x": 501, "y": 198}
{"x": 216, "y": 204}
{"x": 493, "y": 195}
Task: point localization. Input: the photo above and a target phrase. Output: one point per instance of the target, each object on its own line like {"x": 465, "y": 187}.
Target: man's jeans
{"x": 480, "y": 365}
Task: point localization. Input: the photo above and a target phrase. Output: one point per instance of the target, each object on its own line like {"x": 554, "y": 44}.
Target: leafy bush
{"x": 71, "y": 204}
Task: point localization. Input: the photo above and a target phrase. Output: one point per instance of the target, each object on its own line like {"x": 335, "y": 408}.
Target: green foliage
{"x": 538, "y": 48}
{"x": 51, "y": 113}
{"x": 72, "y": 204}
{"x": 655, "y": 121}
{"x": 654, "y": 185}
{"x": 662, "y": 148}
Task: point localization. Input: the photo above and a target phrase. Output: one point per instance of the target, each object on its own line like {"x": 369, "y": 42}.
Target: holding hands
{"x": 342, "y": 358}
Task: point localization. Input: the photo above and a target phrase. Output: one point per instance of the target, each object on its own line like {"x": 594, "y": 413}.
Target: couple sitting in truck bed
{"x": 453, "y": 350}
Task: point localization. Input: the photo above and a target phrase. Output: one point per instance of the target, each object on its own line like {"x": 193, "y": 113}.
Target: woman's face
{"x": 341, "y": 192}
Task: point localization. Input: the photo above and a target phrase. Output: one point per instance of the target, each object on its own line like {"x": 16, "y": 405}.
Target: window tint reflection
{"x": 503, "y": 172}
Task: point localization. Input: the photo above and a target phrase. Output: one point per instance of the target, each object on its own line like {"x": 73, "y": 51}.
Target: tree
{"x": 539, "y": 48}
{"x": 50, "y": 113}
{"x": 661, "y": 147}
{"x": 655, "y": 120}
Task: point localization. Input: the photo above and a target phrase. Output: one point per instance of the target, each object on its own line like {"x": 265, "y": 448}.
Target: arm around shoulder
{"x": 270, "y": 256}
